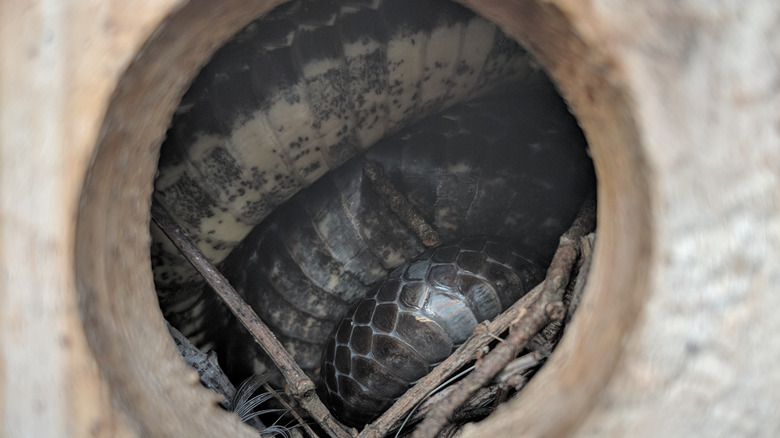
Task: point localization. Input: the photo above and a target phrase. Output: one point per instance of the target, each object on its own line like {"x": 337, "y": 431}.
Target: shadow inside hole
{"x": 516, "y": 179}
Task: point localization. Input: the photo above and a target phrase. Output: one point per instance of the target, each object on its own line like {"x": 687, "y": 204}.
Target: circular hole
{"x": 124, "y": 324}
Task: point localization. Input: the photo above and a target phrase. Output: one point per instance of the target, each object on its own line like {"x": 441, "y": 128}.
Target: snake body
{"x": 415, "y": 318}
{"x": 297, "y": 97}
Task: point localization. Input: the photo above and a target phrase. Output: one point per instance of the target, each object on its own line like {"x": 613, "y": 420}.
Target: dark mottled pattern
{"x": 514, "y": 167}
{"x": 299, "y": 92}
{"x": 302, "y": 91}
{"x": 415, "y": 318}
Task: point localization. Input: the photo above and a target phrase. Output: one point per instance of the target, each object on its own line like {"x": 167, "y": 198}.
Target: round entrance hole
{"x": 125, "y": 326}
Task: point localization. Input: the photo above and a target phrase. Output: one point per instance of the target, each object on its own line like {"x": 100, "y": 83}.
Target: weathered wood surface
{"x": 676, "y": 335}
{"x": 60, "y": 64}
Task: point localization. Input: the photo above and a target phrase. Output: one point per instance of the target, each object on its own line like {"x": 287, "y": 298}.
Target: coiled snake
{"x": 296, "y": 95}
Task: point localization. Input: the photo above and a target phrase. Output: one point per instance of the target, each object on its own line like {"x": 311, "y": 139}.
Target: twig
{"x": 478, "y": 400}
{"x": 206, "y": 365}
{"x": 513, "y": 374}
{"x": 299, "y": 386}
{"x": 568, "y": 249}
{"x": 398, "y": 204}
{"x": 542, "y": 310}
{"x": 586, "y": 249}
{"x": 292, "y": 411}
{"x": 211, "y": 374}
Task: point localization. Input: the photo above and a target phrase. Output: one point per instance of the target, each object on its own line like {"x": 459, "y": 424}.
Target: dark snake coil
{"x": 300, "y": 92}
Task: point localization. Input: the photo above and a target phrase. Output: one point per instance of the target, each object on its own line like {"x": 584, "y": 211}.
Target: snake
{"x": 262, "y": 167}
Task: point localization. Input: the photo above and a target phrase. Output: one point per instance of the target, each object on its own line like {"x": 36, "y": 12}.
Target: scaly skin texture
{"x": 296, "y": 95}
{"x": 415, "y": 318}
{"x": 513, "y": 167}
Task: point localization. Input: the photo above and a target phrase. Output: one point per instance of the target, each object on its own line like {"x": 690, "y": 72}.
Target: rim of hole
{"x": 122, "y": 319}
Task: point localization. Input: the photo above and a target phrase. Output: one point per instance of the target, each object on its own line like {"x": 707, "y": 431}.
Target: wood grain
{"x": 676, "y": 332}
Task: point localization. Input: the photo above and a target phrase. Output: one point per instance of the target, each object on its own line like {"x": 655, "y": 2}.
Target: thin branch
{"x": 478, "y": 400}
{"x": 510, "y": 376}
{"x": 299, "y": 386}
{"x": 292, "y": 411}
{"x": 206, "y": 365}
{"x": 565, "y": 256}
{"x": 586, "y": 257}
{"x": 479, "y": 404}
{"x": 545, "y": 308}
{"x": 398, "y": 204}
{"x": 513, "y": 375}
{"x": 211, "y": 374}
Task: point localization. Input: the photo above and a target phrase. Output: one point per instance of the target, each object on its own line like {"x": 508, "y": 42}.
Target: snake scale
{"x": 262, "y": 166}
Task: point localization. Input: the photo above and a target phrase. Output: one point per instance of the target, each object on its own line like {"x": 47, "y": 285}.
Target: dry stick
{"x": 481, "y": 398}
{"x": 512, "y": 375}
{"x": 508, "y": 377}
{"x": 206, "y": 365}
{"x": 586, "y": 250}
{"x": 380, "y": 182}
{"x": 290, "y": 409}
{"x": 299, "y": 386}
{"x": 211, "y": 374}
{"x": 546, "y": 308}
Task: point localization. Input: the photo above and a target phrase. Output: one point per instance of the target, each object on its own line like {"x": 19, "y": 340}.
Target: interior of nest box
{"x": 132, "y": 346}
